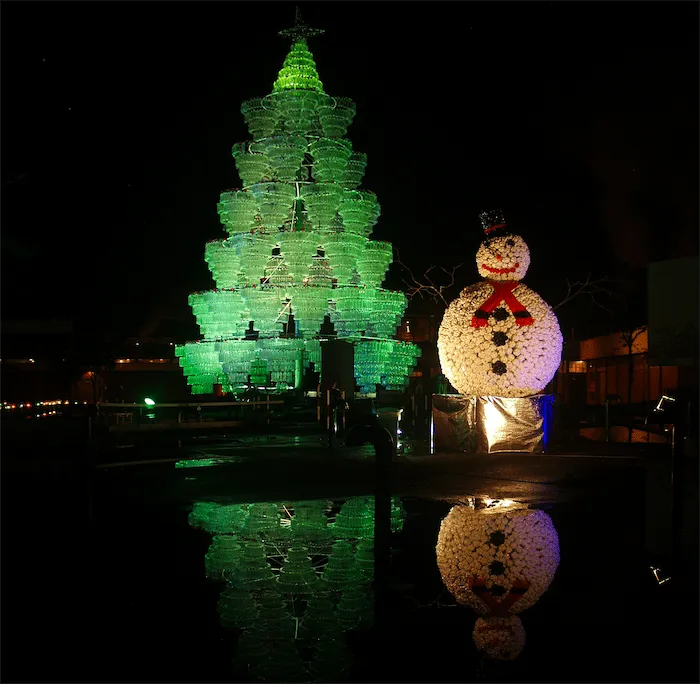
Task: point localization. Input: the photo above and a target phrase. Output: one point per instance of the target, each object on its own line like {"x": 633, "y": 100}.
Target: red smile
{"x": 500, "y": 270}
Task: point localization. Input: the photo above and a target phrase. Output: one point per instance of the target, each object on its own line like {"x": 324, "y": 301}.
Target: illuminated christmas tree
{"x": 298, "y": 248}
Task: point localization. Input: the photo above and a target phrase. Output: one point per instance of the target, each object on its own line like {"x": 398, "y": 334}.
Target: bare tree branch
{"x": 629, "y": 337}
{"x": 427, "y": 287}
{"x": 591, "y": 288}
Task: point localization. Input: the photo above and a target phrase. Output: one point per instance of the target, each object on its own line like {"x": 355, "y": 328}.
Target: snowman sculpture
{"x": 498, "y": 561}
{"x": 499, "y": 338}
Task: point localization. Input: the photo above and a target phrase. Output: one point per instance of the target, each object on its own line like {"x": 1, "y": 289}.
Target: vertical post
{"x": 676, "y": 517}
{"x": 685, "y": 474}
{"x": 673, "y": 443}
{"x": 605, "y": 394}
{"x": 427, "y": 414}
{"x": 330, "y": 420}
{"x": 299, "y": 370}
{"x": 342, "y": 413}
{"x": 658, "y": 513}
{"x": 607, "y": 420}
{"x": 414, "y": 422}
{"x": 88, "y": 469}
{"x": 384, "y": 450}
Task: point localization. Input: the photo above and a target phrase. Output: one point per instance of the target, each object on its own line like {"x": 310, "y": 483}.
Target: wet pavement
{"x": 278, "y": 467}
{"x": 124, "y": 595}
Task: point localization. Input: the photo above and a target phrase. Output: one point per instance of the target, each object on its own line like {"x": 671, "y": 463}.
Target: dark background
{"x": 579, "y": 119}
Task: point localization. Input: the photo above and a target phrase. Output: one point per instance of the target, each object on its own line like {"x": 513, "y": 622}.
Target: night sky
{"x": 580, "y": 120}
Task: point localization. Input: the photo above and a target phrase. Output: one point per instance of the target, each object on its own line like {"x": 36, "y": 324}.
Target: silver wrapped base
{"x": 490, "y": 425}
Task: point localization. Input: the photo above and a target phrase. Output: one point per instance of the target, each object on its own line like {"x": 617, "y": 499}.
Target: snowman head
{"x": 502, "y": 255}
{"x": 499, "y": 638}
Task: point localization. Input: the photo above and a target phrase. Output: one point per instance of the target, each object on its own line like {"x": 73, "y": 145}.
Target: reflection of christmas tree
{"x": 224, "y": 553}
{"x": 299, "y": 243}
{"x": 237, "y": 608}
{"x": 356, "y": 518}
{"x": 310, "y": 523}
{"x": 254, "y": 572}
{"x": 272, "y": 612}
{"x": 319, "y": 617}
{"x": 297, "y": 575}
{"x": 341, "y": 569}
{"x": 331, "y": 657}
{"x": 293, "y": 588}
{"x": 263, "y": 522}
{"x": 214, "y": 517}
{"x": 355, "y": 608}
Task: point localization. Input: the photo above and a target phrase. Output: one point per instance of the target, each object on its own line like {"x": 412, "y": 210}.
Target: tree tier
{"x": 272, "y": 205}
{"x": 354, "y": 311}
{"x": 300, "y": 112}
{"x": 230, "y": 363}
{"x": 258, "y": 258}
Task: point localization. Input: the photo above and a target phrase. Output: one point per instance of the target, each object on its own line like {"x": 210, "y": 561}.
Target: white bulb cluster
{"x": 499, "y": 638}
{"x": 501, "y": 548}
{"x": 531, "y": 354}
{"x": 505, "y": 257}
{"x": 499, "y": 338}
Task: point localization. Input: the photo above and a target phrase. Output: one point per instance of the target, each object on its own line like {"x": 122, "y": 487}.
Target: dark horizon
{"x": 117, "y": 134}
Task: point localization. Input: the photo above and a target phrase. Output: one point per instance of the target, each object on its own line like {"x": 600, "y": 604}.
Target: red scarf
{"x": 498, "y": 608}
{"x": 503, "y": 292}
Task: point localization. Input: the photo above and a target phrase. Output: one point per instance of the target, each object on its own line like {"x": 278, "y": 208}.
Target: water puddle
{"x": 476, "y": 588}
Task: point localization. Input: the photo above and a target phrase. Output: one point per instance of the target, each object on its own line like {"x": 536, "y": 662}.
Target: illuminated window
{"x": 578, "y": 366}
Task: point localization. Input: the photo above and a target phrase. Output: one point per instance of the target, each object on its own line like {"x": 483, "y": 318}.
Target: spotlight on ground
{"x": 659, "y": 575}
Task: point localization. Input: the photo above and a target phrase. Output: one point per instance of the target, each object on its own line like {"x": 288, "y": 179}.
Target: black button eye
{"x": 510, "y": 243}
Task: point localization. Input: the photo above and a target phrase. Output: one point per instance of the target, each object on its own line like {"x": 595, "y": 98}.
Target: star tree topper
{"x": 300, "y": 30}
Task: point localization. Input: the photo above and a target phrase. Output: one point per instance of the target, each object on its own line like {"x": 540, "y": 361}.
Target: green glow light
{"x": 299, "y": 70}
{"x": 201, "y": 462}
{"x": 293, "y": 582}
{"x": 149, "y": 402}
{"x": 299, "y": 245}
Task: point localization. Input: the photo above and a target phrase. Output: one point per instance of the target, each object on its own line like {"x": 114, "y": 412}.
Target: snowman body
{"x": 499, "y": 337}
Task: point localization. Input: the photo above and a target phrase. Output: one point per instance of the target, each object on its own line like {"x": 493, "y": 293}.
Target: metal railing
{"x": 142, "y": 416}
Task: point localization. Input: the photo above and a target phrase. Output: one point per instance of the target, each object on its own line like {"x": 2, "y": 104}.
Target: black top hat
{"x": 492, "y": 220}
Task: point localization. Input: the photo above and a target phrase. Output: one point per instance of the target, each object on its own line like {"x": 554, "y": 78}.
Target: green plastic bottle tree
{"x": 299, "y": 248}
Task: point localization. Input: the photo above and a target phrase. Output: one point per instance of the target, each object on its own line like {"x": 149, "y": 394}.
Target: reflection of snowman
{"x": 499, "y": 338}
{"x": 498, "y": 561}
